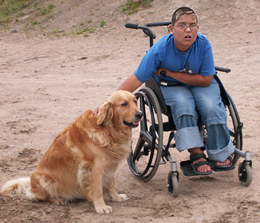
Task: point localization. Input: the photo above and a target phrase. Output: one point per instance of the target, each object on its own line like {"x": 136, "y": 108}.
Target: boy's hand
{"x": 95, "y": 111}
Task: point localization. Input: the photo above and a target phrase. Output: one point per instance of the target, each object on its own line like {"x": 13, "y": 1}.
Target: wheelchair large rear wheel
{"x": 235, "y": 127}
{"x": 147, "y": 142}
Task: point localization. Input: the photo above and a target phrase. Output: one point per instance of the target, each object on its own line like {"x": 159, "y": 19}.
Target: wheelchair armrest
{"x": 152, "y": 84}
{"x": 222, "y": 69}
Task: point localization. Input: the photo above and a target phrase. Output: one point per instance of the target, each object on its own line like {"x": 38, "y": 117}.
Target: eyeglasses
{"x": 184, "y": 27}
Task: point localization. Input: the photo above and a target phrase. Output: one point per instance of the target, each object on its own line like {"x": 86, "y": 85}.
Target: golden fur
{"x": 82, "y": 160}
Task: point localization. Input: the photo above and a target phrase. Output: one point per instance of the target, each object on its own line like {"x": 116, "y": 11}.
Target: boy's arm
{"x": 130, "y": 84}
{"x": 190, "y": 79}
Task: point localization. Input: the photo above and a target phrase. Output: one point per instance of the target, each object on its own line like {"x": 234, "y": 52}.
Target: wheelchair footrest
{"x": 188, "y": 170}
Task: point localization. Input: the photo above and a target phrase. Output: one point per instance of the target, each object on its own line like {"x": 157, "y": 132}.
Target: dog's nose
{"x": 139, "y": 115}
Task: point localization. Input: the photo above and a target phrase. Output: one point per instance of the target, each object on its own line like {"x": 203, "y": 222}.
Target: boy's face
{"x": 185, "y": 32}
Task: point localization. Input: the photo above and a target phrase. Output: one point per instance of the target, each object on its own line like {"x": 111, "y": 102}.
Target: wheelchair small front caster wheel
{"x": 245, "y": 173}
{"x": 173, "y": 184}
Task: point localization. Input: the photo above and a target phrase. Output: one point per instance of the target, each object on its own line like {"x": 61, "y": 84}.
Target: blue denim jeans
{"x": 187, "y": 104}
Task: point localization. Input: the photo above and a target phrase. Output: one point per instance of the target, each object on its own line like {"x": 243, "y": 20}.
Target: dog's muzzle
{"x": 138, "y": 117}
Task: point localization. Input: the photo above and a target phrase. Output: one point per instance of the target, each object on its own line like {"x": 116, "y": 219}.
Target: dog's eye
{"x": 135, "y": 101}
{"x": 124, "y": 104}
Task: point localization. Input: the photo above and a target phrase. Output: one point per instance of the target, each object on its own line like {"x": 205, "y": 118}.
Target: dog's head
{"x": 120, "y": 110}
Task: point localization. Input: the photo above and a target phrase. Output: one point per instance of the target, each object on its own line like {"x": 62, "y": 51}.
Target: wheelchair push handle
{"x": 131, "y": 26}
{"x": 145, "y": 29}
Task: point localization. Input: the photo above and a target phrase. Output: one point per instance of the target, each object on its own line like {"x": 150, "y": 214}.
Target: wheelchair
{"x": 148, "y": 150}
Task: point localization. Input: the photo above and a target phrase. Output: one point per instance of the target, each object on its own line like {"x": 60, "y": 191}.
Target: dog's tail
{"x": 17, "y": 186}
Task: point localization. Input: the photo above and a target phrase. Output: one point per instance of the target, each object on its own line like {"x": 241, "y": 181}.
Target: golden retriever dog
{"x": 82, "y": 160}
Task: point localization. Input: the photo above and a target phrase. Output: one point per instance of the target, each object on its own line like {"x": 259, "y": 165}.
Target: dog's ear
{"x": 105, "y": 111}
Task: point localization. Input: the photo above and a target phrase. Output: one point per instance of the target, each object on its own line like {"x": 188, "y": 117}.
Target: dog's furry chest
{"x": 119, "y": 151}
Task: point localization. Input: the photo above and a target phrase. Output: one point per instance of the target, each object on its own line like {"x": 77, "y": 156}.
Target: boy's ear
{"x": 171, "y": 28}
{"x": 105, "y": 111}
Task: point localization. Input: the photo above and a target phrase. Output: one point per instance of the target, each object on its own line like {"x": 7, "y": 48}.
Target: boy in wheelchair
{"x": 187, "y": 84}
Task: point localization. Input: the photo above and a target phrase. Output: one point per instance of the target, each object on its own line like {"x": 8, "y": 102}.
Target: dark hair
{"x": 183, "y": 11}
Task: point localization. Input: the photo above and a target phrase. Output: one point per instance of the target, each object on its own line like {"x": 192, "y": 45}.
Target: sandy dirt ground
{"x": 47, "y": 82}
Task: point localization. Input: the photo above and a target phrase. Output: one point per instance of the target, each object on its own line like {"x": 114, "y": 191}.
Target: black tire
{"x": 147, "y": 143}
{"x": 245, "y": 174}
{"x": 235, "y": 128}
{"x": 173, "y": 184}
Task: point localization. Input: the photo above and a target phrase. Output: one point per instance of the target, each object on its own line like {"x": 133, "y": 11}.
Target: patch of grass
{"x": 91, "y": 29}
{"x": 102, "y": 23}
{"x": 57, "y": 32}
{"x": 9, "y": 7}
{"x": 20, "y": 14}
{"x": 88, "y": 31}
{"x": 30, "y": 15}
{"x": 47, "y": 10}
{"x": 82, "y": 29}
{"x": 131, "y": 7}
{"x": 35, "y": 23}
{"x": 34, "y": 11}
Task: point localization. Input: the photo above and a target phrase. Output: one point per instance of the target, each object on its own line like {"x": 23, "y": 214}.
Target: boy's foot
{"x": 200, "y": 164}
{"x": 226, "y": 164}
{"x": 204, "y": 167}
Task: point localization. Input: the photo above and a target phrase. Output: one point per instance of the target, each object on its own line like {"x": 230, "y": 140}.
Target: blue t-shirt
{"x": 163, "y": 54}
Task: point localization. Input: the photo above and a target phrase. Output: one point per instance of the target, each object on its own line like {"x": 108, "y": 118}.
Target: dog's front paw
{"x": 58, "y": 201}
{"x": 120, "y": 197}
{"x": 104, "y": 210}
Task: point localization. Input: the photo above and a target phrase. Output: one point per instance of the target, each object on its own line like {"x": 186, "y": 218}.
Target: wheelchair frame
{"x": 150, "y": 142}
